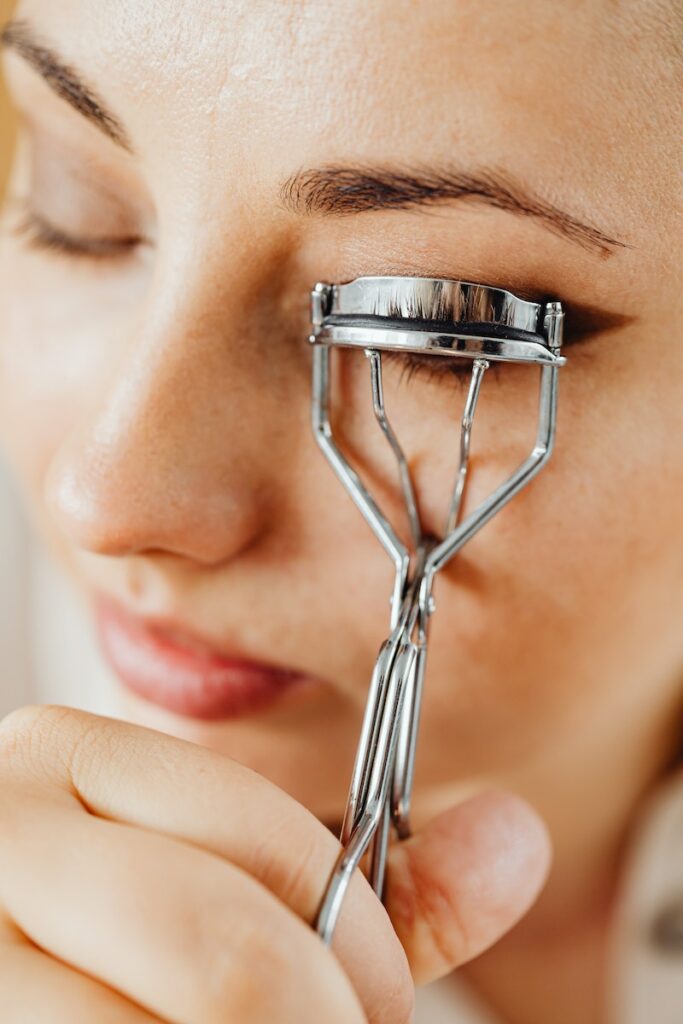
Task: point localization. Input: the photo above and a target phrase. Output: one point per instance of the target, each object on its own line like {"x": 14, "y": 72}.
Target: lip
{"x": 168, "y": 665}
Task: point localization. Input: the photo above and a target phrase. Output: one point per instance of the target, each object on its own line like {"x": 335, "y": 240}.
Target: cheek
{"x": 60, "y": 332}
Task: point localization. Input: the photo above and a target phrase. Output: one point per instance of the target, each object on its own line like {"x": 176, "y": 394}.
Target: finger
{"x": 36, "y": 989}
{"x": 176, "y": 930}
{"x": 140, "y": 777}
{"x": 464, "y": 880}
{"x": 452, "y": 890}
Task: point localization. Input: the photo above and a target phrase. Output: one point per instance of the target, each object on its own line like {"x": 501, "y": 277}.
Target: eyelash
{"x": 39, "y": 233}
{"x": 433, "y": 367}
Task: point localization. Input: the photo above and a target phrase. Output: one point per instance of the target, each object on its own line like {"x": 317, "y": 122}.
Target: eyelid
{"x": 75, "y": 203}
{"x": 39, "y": 232}
{"x": 53, "y": 148}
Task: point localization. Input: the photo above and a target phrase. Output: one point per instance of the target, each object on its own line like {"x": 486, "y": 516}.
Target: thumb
{"x": 464, "y": 880}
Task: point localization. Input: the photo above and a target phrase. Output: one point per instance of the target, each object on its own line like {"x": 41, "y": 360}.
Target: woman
{"x": 186, "y": 171}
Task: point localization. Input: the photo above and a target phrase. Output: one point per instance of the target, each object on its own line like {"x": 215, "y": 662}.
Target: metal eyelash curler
{"x": 444, "y": 319}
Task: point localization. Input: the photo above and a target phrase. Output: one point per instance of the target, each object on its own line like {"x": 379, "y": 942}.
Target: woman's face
{"x": 154, "y": 385}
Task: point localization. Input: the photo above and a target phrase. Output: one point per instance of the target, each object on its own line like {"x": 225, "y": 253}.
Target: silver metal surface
{"x": 436, "y": 300}
{"x": 454, "y": 319}
{"x": 432, "y": 343}
{"x": 478, "y": 370}
{"x": 381, "y": 417}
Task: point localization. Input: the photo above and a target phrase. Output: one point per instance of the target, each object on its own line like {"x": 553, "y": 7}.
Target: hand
{"x": 143, "y": 878}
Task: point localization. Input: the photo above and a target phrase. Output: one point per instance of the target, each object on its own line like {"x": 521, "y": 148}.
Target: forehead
{"x": 566, "y": 95}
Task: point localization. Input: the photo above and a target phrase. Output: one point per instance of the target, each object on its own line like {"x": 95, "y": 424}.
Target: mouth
{"x": 175, "y": 669}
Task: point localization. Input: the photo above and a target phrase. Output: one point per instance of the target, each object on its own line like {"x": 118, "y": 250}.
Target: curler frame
{"x": 446, "y": 319}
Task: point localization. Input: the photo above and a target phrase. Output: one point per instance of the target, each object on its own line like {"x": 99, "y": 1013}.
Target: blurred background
{"x": 48, "y": 650}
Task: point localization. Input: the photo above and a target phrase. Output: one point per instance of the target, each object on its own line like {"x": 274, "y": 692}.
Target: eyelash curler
{"x": 443, "y": 319}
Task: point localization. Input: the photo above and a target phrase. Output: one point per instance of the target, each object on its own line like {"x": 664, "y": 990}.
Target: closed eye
{"x": 39, "y": 233}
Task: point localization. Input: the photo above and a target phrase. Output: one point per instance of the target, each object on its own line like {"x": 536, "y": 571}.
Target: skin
{"x": 556, "y": 652}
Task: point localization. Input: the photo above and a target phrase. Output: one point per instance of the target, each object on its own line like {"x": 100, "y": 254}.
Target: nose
{"x": 182, "y": 452}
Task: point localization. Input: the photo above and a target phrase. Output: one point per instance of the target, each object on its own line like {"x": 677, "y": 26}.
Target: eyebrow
{"x": 334, "y": 190}
{"x": 341, "y": 191}
{"x": 63, "y": 79}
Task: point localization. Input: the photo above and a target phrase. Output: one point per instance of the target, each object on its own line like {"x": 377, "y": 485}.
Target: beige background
{"x": 5, "y": 116}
